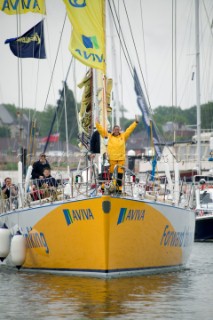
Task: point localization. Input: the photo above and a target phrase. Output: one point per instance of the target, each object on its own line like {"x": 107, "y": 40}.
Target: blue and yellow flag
{"x": 88, "y": 35}
{"x": 29, "y": 45}
{"x": 22, "y": 6}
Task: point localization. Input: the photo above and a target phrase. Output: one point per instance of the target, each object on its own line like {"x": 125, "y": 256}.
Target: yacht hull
{"x": 104, "y": 236}
{"x": 204, "y": 228}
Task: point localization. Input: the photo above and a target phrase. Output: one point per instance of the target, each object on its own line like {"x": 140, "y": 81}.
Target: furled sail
{"x": 85, "y": 114}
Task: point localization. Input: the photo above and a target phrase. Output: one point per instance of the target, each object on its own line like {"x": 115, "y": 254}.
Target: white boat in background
{"x": 89, "y": 227}
{"x": 186, "y": 155}
{"x": 204, "y": 208}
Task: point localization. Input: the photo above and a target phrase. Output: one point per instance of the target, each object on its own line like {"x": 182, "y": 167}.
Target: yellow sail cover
{"x": 20, "y": 6}
{"x": 88, "y": 35}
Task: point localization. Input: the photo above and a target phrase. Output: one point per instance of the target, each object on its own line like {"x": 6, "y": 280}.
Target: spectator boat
{"x": 204, "y": 208}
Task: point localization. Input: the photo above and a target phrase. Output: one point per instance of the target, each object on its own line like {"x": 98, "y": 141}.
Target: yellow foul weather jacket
{"x": 116, "y": 144}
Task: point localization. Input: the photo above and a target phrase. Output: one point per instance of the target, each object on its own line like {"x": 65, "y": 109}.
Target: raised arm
{"x": 101, "y": 130}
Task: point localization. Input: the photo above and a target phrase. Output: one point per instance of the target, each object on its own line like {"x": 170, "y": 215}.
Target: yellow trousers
{"x": 114, "y": 163}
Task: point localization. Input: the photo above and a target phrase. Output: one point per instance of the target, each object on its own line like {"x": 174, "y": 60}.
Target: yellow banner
{"x": 88, "y": 35}
{"x": 22, "y": 6}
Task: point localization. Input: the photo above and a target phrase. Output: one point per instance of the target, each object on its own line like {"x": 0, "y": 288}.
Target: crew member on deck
{"x": 38, "y": 167}
{"x": 47, "y": 180}
{"x": 10, "y": 193}
{"x": 9, "y": 189}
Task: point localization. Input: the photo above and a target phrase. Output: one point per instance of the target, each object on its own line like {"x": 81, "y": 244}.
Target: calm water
{"x": 180, "y": 295}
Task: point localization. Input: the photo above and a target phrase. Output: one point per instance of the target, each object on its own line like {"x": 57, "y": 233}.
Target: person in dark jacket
{"x": 95, "y": 142}
{"x": 44, "y": 187}
{"x": 95, "y": 147}
{"x": 47, "y": 180}
{"x": 39, "y": 166}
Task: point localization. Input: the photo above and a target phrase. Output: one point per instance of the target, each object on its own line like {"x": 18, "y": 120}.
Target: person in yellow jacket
{"x": 116, "y": 147}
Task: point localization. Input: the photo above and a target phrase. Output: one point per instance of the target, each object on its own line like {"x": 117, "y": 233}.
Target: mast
{"x": 198, "y": 83}
{"x": 116, "y": 102}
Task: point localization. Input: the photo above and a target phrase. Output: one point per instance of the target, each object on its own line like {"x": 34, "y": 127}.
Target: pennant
{"x": 52, "y": 138}
{"x": 22, "y": 6}
{"x": 29, "y": 45}
{"x": 149, "y": 125}
{"x": 87, "y": 42}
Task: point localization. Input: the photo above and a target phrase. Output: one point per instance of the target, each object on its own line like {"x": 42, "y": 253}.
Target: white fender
{"x": 4, "y": 242}
{"x": 67, "y": 189}
{"x": 18, "y": 249}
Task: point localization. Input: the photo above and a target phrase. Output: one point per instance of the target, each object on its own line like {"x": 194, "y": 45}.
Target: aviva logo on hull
{"x": 77, "y": 215}
{"x": 130, "y": 215}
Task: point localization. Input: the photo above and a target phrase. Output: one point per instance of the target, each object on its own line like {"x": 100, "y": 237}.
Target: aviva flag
{"x": 22, "y": 6}
{"x": 88, "y": 35}
{"x": 29, "y": 45}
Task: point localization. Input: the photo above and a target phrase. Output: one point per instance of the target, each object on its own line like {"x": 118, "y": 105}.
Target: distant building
{"x": 178, "y": 129}
{"x": 16, "y": 125}
{"x": 138, "y": 142}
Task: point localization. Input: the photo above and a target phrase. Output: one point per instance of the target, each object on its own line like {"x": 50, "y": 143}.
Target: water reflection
{"x": 89, "y": 298}
{"x": 177, "y": 295}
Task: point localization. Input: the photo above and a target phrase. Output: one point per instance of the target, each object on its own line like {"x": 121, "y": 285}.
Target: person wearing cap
{"x": 39, "y": 166}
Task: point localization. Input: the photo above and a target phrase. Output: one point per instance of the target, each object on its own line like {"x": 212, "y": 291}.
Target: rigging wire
{"x": 128, "y": 59}
{"x": 123, "y": 44}
{"x": 143, "y": 42}
{"x": 136, "y": 51}
{"x": 207, "y": 59}
{"x": 51, "y": 78}
{"x": 121, "y": 69}
{"x": 121, "y": 37}
{"x": 209, "y": 22}
{"x": 58, "y": 107}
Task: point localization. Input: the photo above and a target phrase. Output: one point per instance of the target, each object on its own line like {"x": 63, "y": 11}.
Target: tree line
{"x": 43, "y": 119}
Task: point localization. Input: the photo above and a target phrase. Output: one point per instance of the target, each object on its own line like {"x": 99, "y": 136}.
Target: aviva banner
{"x": 88, "y": 35}
{"x": 22, "y": 6}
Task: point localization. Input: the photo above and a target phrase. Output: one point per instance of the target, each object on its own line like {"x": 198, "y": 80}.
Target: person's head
{"x": 46, "y": 172}
{"x": 116, "y": 130}
{"x": 8, "y": 181}
{"x": 42, "y": 158}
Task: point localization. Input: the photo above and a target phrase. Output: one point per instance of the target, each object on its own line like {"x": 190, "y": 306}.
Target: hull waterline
{"x": 104, "y": 236}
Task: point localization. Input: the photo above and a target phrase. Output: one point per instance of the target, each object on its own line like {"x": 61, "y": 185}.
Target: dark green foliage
{"x": 161, "y": 116}
{"x": 71, "y": 114}
{"x": 4, "y": 132}
{"x": 187, "y": 116}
